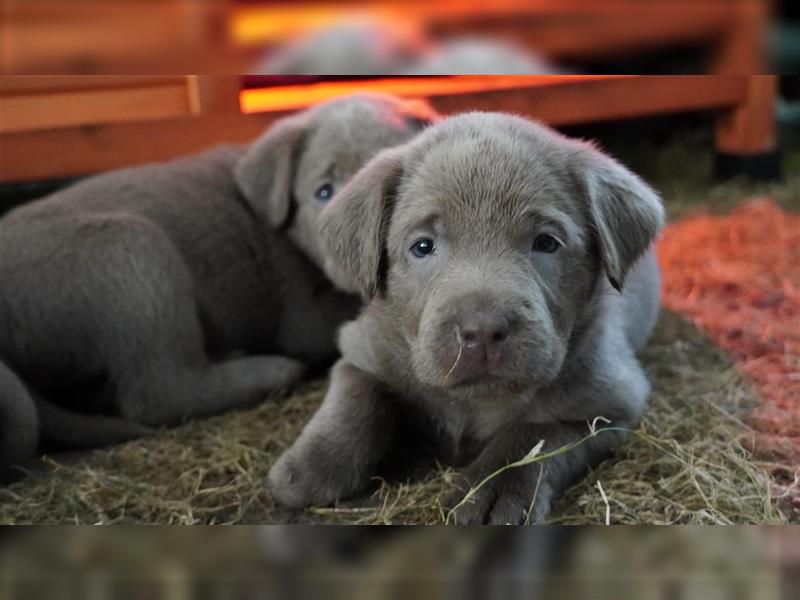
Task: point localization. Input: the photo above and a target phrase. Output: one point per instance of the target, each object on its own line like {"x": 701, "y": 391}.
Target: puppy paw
{"x": 283, "y": 372}
{"x": 511, "y": 498}
{"x": 297, "y": 483}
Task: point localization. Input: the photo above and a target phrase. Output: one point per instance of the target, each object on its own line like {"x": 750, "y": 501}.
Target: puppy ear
{"x": 352, "y": 226}
{"x": 626, "y": 213}
{"x": 265, "y": 174}
{"x": 419, "y": 113}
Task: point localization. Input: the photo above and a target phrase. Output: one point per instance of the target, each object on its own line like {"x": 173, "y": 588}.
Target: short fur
{"x": 151, "y": 295}
{"x": 501, "y": 344}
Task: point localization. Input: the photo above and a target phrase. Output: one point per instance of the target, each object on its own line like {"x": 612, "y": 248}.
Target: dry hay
{"x": 685, "y": 464}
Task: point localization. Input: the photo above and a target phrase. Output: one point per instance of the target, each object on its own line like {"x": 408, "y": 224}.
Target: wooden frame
{"x": 65, "y": 126}
{"x": 557, "y": 29}
{"x": 743, "y": 105}
{"x": 75, "y": 107}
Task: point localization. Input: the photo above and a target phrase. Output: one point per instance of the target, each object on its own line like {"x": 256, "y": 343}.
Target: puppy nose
{"x": 484, "y": 330}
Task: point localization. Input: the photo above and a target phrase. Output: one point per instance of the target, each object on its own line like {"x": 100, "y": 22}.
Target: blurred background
{"x": 106, "y": 81}
{"x": 411, "y": 36}
{"x": 76, "y": 125}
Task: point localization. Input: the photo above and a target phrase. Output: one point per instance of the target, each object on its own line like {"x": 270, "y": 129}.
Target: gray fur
{"x": 502, "y": 345}
{"x": 375, "y": 48}
{"x": 151, "y": 295}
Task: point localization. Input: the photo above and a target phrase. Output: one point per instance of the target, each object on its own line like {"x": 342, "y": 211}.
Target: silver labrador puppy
{"x": 510, "y": 283}
{"x": 151, "y": 295}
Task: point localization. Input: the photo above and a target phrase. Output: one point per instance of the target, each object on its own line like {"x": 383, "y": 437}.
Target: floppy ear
{"x": 626, "y": 213}
{"x": 265, "y": 174}
{"x": 352, "y": 226}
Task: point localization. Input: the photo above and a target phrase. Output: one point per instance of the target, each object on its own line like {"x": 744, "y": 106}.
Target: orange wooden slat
{"x": 749, "y": 127}
{"x": 97, "y": 148}
{"x": 559, "y": 99}
{"x": 291, "y": 97}
{"x": 27, "y": 84}
{"x": 54, "y": 153}
{"x": 604, "y": 100}
{"x": 64, "y": 109}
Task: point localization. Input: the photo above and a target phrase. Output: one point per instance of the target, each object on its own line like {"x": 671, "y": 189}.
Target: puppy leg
{"x": 66, "y": 429}
{"x": 526, "y": 493}
{"x": 166, "y": 378}
{"x": 19, "y": 425}
{"x": 337, "y": 451}
{"x": 171, "y": 391}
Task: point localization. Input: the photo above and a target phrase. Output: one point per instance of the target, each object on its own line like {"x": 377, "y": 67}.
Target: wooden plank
{"x": 64, "y": 109}
{"x": 53, "y": 153}
{"x": 596, "y": 40}
{"x": 214, "y": 93}
{"x": 27, "y": 84}
{"x": 284, "y": 21}
{"x": 557, "y": 99}
{"x": 291, "y": 97}
{"x": 52, "y": 36}
{"x": 749, "y": 126}
{"x": 742, "y": 48}
{"x": 601, "y": 100}
{"x": 98, "y": 148}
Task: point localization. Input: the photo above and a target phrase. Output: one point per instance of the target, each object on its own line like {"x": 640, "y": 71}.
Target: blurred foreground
{"x": 354, "y": 563}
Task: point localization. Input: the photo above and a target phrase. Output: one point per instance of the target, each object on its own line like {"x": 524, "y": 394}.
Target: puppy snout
{"x": 476, "y": 338}
{"x": 484, "y": 333}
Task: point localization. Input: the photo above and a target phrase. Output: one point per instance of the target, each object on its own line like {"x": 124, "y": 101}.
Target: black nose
{"x": 485, "y": 331}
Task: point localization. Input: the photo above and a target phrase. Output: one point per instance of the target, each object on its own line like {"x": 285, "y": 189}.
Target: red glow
{"x": 738, "y": 277}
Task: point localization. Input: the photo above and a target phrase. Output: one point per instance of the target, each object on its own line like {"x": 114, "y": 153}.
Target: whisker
{"x": 458, "y": 356}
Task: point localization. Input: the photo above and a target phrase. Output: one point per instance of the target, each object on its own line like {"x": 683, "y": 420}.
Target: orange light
{"x": 292, "y": 97}
{"x": 264, "y": 25}
{"x": 282, "y": 21}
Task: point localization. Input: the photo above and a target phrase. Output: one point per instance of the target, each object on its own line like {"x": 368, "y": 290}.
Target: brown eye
{"x": 546, "y": 243}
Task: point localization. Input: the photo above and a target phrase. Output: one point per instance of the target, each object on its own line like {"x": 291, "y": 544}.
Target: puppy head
{"x": 298, "y": 165}
{"x": 487, "y": 238}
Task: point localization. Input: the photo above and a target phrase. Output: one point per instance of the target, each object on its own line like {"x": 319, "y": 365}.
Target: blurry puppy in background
{"x": 510, "y": 281}
{"x": 374, "y": 46}
{"x": 148, "y": 296}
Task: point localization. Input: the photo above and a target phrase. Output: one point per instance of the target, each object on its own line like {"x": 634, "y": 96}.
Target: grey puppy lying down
{"x": 151, "y": 295}
{"x": 510, "y": 281}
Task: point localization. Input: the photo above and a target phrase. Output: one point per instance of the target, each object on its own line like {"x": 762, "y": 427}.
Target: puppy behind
{"x": 125, "y": 297}
{"x": 510, "y": 283}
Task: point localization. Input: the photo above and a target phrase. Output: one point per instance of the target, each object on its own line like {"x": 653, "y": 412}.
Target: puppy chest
{"x": 465, "y": 427}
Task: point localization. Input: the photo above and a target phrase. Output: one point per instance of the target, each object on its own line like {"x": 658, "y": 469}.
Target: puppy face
{"x": 487, "y": 248}
{"x": 493, "y": 233}
{"x": 302, "y": 161}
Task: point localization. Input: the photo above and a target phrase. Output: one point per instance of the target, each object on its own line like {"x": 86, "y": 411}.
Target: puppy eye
{"x": 546, "y": 243}
{"x": 423, "y": 247}
{"x": 324, "y": 192}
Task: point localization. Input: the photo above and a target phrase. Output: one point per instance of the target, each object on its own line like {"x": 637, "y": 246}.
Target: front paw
{"x": 515, "y": 497}
{"x": 285, "y": 373}
{"x": 293, "y": 484}
{"x": 297, "y": 480}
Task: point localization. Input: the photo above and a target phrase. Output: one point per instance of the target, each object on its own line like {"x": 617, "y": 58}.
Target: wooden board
{"x": 54, "y": 153}
{"x": 88, "y": 149}
{"x": 67, "y": 108}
